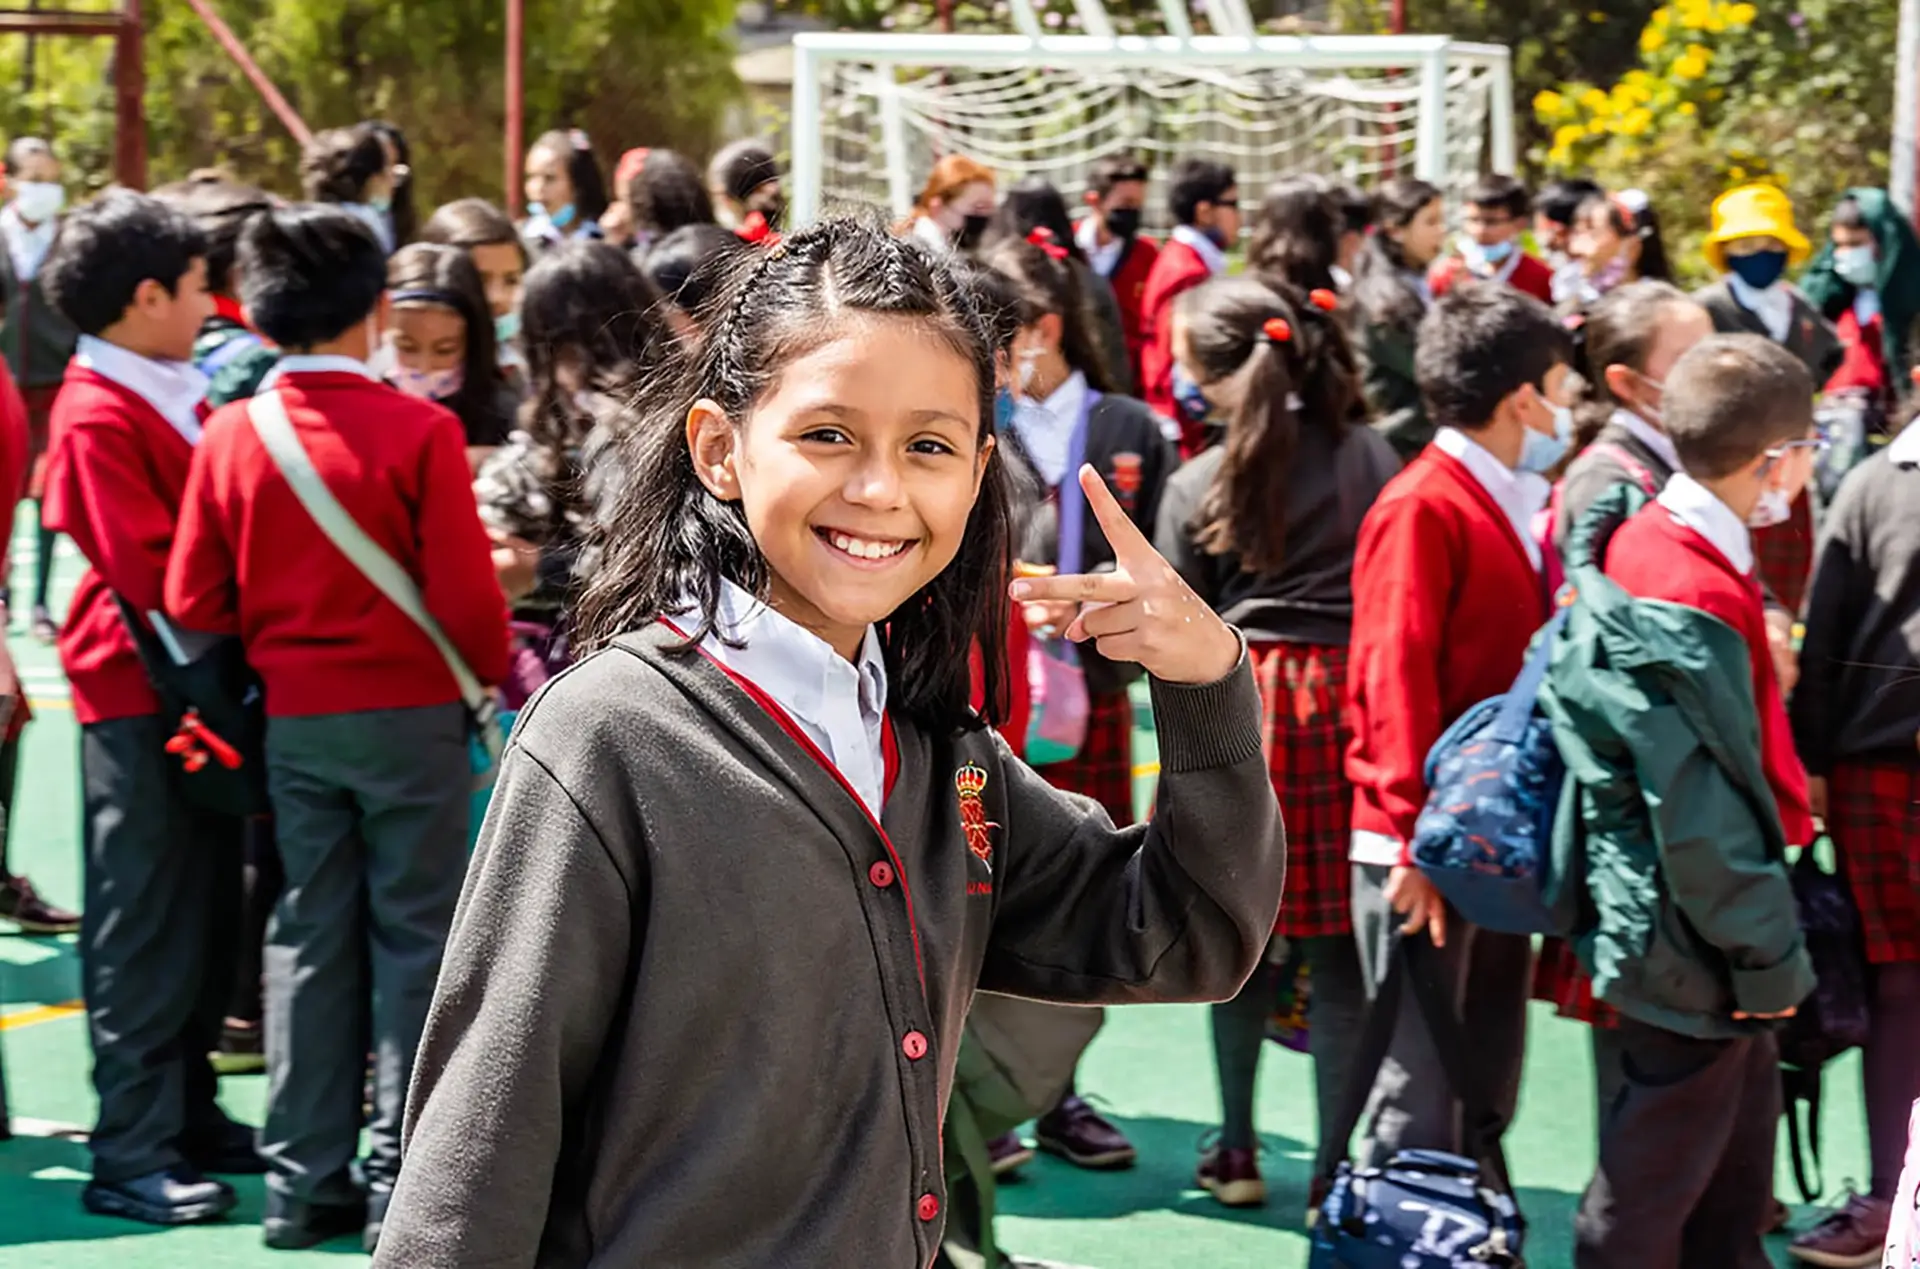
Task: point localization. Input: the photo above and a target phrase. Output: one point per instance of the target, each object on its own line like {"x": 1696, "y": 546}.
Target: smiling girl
{"x": 441, "y": 345}
{"x": 749, "y": 861}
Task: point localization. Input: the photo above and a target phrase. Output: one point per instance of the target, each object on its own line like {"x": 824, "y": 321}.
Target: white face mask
{"x": 1773, "y": 508}
{"x": 1025, "y": 368}
{"x": 39, "y": 201}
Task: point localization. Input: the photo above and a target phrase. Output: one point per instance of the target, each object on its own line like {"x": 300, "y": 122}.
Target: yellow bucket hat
{"x": 1754, "y": 211}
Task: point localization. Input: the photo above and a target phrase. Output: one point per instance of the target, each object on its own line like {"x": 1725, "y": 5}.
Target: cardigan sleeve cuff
{"x": 1208, "y": 725}
{"x": 1777, "y": 988}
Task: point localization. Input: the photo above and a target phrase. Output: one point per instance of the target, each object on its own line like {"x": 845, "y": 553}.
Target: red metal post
{"x": 251, "y": 69}
{"x": 1397, "y": 18}
{"x": 516, "y": 105}
{"x": 129, "y": 90}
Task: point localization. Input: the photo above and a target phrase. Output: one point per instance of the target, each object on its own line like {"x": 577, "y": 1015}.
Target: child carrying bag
{"x": 275, "y": 430}
{"x": 1057, "y": 683}
{"x": 1422, "y": 1209}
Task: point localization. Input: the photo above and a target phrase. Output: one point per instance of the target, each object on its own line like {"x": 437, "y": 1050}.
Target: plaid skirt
{"x": 1873, "y": 813}
{"x": 1559, "y": 979}
{"x": 1103, "y": 769}
{"x": 1783, "y": 555}
{"x": 1303, "y": 689}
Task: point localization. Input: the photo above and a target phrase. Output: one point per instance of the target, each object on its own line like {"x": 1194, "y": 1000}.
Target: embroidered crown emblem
{"x": 969, "y": 782}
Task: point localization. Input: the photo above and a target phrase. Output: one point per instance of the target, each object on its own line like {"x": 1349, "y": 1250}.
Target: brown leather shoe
{"x": 1232, "y": 1177}
{"x": 1082, "y": 1136}
{"x": 34, "y": 915}
{"x": 1853, "y": 1237}
{"x": 1008, "y": 1154}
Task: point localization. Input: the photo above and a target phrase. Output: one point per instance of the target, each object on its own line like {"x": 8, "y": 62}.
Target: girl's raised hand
{"x": 1142, "y": 611}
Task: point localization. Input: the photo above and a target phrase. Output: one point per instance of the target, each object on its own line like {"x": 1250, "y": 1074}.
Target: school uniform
{"x": 367, "y": 753}
{"x": 1523, "y": 271}
{"x": 1125, "y": 443}
{"x": 1188, "y": 259}
{"x": 36, "y": 338}
{"x": 162, "y": 878}
{"x": 626, "y": 1120}
{"x": 1447, "y": 593}
{"x": 1126, "y": 264}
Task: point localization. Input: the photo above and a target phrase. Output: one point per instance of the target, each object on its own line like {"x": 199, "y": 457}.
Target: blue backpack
{"x": 1485, "y": 838}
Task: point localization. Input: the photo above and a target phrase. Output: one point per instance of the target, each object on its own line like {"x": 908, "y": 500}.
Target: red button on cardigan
{"x": 929, "y": 1207}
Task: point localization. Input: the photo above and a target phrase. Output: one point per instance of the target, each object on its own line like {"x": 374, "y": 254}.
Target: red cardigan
{"x": 1655, "y": 556}
{"x": 250, "y": 561}
{"x": 1129, "y": 283}
{"x": 1178, "y": 268}
{"x": 1445, "y": 601}
{"x": 115, "y": 473}
{"x": 1531, "y": 276}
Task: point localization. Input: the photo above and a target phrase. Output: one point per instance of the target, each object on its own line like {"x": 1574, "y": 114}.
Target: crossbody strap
{"x": 1071, "y": 500}
{"x": 268, "y": 414}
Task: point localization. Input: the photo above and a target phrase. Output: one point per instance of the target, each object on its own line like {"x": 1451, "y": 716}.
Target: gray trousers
{"x": 1412, "y": 1106}
{"x": 370, "y": 814}
{"x": 162, "y": 892}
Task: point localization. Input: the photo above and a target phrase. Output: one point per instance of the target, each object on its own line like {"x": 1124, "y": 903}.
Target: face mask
{"x": 1856, "y": 266}
{"x": 971, "y": 230}
{"x": 1123, "y": 222}
{"x": 1759, "y": 270}
{"x": 1187, "y": 395}
{"x": 506, "y": 327}
{"x": 428, "y": 385}
{"x": 382, "y": 203}
{"x": 1002, "y": 409}
{"x": 771, "y": 208}
{"x": 1483, "y": 256}
{"x": 1215, "y": 236}
{"x": 1027, "y": 365}
{"x": 558, "y": 219}
{"x": 1773, "y": 508}
{"x": 1611, "y": 274}
{"x": 1541, "y": 452}
{"x": 39, "y": 201}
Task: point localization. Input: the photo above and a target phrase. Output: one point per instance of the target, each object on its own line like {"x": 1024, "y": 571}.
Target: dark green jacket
{"x": 1392, "y": 392}
{"x": 1668, "y": 851}
{"x": 1898, "y": 283}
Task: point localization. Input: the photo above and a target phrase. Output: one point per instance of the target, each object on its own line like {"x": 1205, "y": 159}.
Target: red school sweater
{"x": 1445, "y": 601}
{"x": 1530, "y": 276}
{"x": 1129, "y": 283}
{"x": 116, "y": 470}
{"x": 1656, "y": 556}
{"x": 249, "y": 560}
{"x": 1178, "y": 268}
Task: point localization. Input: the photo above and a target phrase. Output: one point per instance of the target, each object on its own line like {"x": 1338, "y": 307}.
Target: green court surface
{"x": 1152, "y": 1068}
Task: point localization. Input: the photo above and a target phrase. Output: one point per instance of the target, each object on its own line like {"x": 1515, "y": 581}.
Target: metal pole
{"x": 516, "y": 105}
{"x": 130, "y": 86}
{"x": 1904, "y": 180}
{"x": 807, "y": 144}
{"x": 1500, "y": 120}
{"x": 1397, "y": 18}
{"x": 288, "y": 116}
{"x": 1430, "y": 139}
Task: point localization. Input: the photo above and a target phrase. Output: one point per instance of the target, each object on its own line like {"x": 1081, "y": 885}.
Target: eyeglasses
{"x": 1820, "y": 442}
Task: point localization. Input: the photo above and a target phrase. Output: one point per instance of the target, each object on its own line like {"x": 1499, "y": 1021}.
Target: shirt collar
{"x": 1203, "y": 246}
{"x": 173, "y": 388}
{"x": 929, "y": 231}
{"x": 1905, "y": 448}
{"x": 789, "y": 662}
{"x": 1064, "y": 402}
{"x": 315, "y": 364}
{"x": 1773, "y": 306}
{"x": 1520, "y": 494}
{"x": 1104, "y": 258}
{"x": 1649, "y": 435}
{"x": 1697, "y": 507}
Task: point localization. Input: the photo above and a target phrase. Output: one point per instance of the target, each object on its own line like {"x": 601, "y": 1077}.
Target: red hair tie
{"x": 1276, "y": 330}
{"x": 1324, "y": 300}
{"x": 1042, "y": 237}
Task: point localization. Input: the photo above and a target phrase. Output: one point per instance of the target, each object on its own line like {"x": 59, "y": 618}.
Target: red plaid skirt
{"x": 1103, "y": 769}
{"x": 1873, "y": 813}
{"x": 1783, "y": 555}
{"x": 1559, "y": 979}
{"x": 1303, "y": 688}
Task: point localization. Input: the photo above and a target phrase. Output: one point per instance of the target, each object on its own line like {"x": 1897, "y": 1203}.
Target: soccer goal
{"x": 872, "y": 112}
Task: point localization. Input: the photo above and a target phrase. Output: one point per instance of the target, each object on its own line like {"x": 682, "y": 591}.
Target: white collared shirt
{"x": 1104, "y": 259}
{"x": 1045, "y": 428}
{"x": 27, "y": 245}
{"x": 1773, "y": 306}
{"x": 1203, "y": 246}
{"x": 374, "y": 219}
{"x": 1649, "y": 435}
{"x": 1904, "y": 449}
{"x": 314, "y": 364}
{"x": 840, "y": 706}
{"x": 930, "y": 232}
{"x": 1694, "y": 505}
{"x": 173, "y": 388}
{"x": 1520, "y": 494}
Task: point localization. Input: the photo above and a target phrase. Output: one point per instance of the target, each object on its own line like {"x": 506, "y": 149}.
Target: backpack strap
{"x": 1517, "y": 707}
{"x": 1642, "y": 475}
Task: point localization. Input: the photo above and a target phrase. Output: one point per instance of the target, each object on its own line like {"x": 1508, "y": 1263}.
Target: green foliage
{"x": 631, "y": 72}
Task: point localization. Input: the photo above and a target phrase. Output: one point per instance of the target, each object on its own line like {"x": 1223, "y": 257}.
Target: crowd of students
{"x": 756, "y": 527}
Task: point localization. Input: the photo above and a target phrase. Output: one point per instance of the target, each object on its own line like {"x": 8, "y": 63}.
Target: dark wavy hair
{"x": 590, "y": 322}
{"x": 1244, "y": 510}
{"x": 664, "y": 538}
{"x": 1032, "y": 204}
{"x": 338, "y": 163}
{"x": 583, "y": 169}
{"x": 1619, "y": 329}
{"x": 1296, "y": 233}
{"x": 1379, "y": 287}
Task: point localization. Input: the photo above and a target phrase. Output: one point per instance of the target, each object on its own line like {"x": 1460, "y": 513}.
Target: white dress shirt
{"x": 840, "y": 706}
{"x": 1045, "y": 428}
{"x": 1773, "y": 306}
{"x": 1694, "y": 505}
{"x": 1205, "y": 247}
{"x": 933, "y": 235}
{"x": 1650, "y": 436}
{"x": 173, "y": 388}
{"x": 27, "y": 245}
{"x": 1104, "y": 259}
{"x": 1520, "y": 494}
{"x": 313, "y": 364}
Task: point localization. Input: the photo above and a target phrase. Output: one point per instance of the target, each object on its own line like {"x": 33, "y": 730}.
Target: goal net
{"x": 872, "y": 113}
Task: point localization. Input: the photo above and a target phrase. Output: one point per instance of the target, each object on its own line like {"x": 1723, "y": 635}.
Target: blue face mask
{"x": 1856, "y": 266}
{"x": 506, "y": 327}
{"x": 1759, "y": 270}
{"x": 1187, "y": 395}
{"x": 1002, "y": 409}
{"x": 1541, "y": 452}
{"x": 1487, "y": 256}
{"x": 559, "y": 218}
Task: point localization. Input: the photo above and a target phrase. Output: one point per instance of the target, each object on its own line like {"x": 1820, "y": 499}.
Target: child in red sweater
{"x": 1205, "y": 200}
{"x": 1447, "y": 591}
{"x": 1117, "y": 250}
{"x": 367, "y": 736}
{"x": 162, "y": 877}
{"x": 1490, "y": 249}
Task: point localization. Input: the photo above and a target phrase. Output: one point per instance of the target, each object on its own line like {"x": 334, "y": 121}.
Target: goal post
{"x": 873, "y": 112}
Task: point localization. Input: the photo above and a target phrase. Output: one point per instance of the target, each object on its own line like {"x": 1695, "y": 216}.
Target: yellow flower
{"x": 1597, "y": 126}
{"x": 1594, "y": 100}
{"x": 1737, "y": 172}
{"x": 1689, "y": 65}
{"x": 1688, "y": 109}
{"x": 1653, "y": 36}
{"x": 1548, "y": 104}
{"x": 1636, "y": 122}
{"x": 1741, "y": 14}
{"x": 1557, "y": 157}
{"x": 1568, "y": 135}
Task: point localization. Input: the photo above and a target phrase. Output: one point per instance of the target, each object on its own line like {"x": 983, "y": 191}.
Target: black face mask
{"x": 772, "y": 207}
{"x": 971, "y": 232}
{"x": 1123, "y": 222}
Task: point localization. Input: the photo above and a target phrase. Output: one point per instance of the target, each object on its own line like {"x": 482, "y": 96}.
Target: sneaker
{"x": 1855, "y": 1235}
{"x": 1232, "y": 1177}
{"x": 43, "y": 628}
{"x": 1008, "y": 1154}
{"x": 34, "y": 915}
{"x": 1082, "y": 1136}
{"x": 240, "y": 1051}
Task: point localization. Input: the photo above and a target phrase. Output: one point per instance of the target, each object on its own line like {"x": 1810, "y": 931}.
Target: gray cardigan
{"x": 698, "y": 1010}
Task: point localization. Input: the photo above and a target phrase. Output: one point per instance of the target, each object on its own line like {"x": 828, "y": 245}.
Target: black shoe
{"x": 226, "y": 1150}
{"x": 174, "y": 1196}
{"x": 376, "y": 1217}
{"x": 291, "y": 1225}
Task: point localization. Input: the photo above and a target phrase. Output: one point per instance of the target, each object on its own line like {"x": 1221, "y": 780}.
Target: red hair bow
{"x": 1042, "y": 237}
{"x": 1277, "y": 329}
{"x": 1324, "y": 300}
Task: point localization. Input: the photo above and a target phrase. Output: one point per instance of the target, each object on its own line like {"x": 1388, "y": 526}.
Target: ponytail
{"x": 1044, "y": 277}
